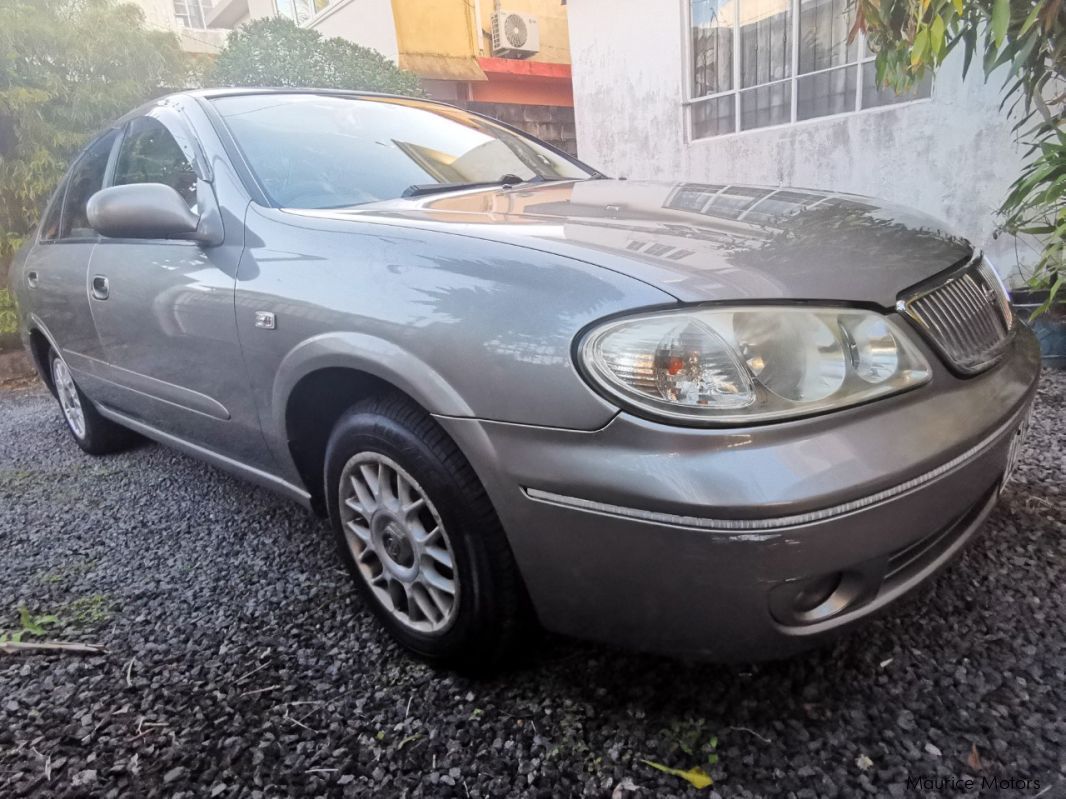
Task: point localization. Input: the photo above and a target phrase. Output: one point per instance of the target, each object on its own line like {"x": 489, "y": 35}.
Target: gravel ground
{"x": 241, "y": 662}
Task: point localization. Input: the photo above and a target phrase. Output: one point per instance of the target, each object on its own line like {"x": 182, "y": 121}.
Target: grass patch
{"x": 66, "y": 571}
{"x": 87, "y": 610}
{"x": 32, "y": 624}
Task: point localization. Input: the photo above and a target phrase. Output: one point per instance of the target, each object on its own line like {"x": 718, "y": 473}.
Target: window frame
{"x": 689, "y": 100}
{"x": 203, "y": 13}
{"x": 318, "y": 13}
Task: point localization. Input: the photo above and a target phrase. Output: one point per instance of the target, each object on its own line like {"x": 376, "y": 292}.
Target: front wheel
{"x": 420, "y": 537}
{"x": 91, "y": 431}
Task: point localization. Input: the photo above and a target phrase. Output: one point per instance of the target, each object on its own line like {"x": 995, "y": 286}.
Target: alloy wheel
{"x": 398, "y": 542}
{"x": 68, "y": 397}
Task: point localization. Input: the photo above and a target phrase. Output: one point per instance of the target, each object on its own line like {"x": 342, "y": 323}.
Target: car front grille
{"x": 967, "y": 316}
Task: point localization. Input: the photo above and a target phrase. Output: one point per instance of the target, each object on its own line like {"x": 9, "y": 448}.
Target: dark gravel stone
{"x": 241, "y": 662}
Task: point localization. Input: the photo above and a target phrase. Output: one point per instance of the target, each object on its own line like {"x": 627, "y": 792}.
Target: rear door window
{"x": 86, "y": 179}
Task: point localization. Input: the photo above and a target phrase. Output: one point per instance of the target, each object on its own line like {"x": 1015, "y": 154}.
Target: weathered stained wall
{"x": 952, "y": 156}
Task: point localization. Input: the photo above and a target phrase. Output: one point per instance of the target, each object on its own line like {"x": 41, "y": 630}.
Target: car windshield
{"x": 329, "y": 151}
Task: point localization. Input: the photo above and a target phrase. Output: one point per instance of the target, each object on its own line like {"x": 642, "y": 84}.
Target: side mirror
{"x": 142, "y": 211}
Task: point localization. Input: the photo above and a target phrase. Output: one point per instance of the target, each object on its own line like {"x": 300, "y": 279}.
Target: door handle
{"x": 101, "y": 288}
{"x": 32, "y": 279}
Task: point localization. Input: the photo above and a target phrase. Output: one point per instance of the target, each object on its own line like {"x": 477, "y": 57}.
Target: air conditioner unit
{"x": 514, "y": 35}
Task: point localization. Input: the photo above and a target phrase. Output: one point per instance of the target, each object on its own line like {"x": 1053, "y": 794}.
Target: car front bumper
{"x": 743, "y": 544}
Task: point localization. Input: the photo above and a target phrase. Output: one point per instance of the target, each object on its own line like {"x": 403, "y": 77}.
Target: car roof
{"x": 210, "y": 94}
{"x": 239, "y": 91}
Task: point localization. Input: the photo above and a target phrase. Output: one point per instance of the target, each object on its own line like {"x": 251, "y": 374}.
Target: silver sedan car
{"x": 706, "y": 420}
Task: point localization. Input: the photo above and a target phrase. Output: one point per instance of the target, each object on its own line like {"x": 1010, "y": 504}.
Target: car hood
{"x": 701, "y": 242}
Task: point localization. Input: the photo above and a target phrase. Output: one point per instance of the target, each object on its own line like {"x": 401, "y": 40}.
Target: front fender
{"x": 372, "y": 355}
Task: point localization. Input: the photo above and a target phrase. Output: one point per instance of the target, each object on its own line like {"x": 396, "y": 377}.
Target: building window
{"x": 757, "y": 63}
{"x": 300, "y": 11}
{"x": 192, "y": 13}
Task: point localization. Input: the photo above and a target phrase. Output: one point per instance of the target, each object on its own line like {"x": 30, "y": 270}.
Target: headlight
{"x": 745, "y": 364}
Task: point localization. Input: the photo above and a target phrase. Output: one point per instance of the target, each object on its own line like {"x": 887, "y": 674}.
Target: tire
{"x": 91, "y": 431}
{"x": 487, "y": 618}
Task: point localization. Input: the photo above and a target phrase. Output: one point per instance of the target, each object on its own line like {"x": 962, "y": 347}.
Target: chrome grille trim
{"x": 966, "y": 316}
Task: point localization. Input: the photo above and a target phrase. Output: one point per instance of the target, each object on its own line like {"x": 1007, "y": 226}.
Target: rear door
{"x": 55, "y": 271}
{"x": 164, "y": 307}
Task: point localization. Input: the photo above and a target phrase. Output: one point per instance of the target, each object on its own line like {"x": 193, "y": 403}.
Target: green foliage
{"x": 33, "y": 624}
{"x": 693, "y": 738}
{"x": 274, "y": 51}
{"x": 8, "y": 316}
{"x": 1028, "y": 39}
{"x": 67, "y": 68}
{"x": 89, "y": 609}
{"x": 29, "y": 624}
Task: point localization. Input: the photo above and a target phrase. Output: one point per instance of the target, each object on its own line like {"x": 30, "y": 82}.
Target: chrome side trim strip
{"x": 250, "y": 473}
{"x": 782, "y": 522}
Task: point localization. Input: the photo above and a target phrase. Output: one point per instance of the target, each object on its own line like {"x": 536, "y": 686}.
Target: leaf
{"x": 1031, "y": 20}
{"x": 973, "y": 760}
{"x": 936, "y": 34}
{"x": 27, "y": 622}
{"x": 696, "y": 776}
{"x": 1000, "y": 20}
{"x": 1050, "y": 14}
{"x": 969, "y": 38}
{"x": 958, "y": 6}
{"x": 860, "y": 21}
{"x": 921, "y": 44}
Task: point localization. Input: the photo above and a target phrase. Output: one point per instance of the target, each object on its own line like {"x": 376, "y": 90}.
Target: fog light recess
{"x": 815, "y": 599}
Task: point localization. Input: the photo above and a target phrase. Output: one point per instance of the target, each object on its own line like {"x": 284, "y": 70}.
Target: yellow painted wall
{"x": 433, "y": 27}
{"x": 445, "y": 27}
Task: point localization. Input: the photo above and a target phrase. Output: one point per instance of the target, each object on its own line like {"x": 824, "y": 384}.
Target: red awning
{"x": 514, "y": 69}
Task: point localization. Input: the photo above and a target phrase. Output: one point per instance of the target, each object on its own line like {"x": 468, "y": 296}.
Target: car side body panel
{"x": 468, "y": 328}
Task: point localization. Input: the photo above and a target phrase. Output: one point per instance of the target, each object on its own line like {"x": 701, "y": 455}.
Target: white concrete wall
{"x": 366, "y": 22}
{"x": 952, "y": 156}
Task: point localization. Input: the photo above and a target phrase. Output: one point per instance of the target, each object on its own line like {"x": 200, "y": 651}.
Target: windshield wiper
{"x": 422, "y": 189}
